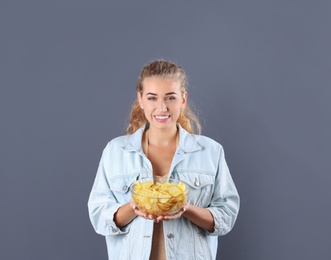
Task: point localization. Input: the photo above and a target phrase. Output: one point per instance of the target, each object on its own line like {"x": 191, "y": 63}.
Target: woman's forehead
{"x": 161, "y": 84}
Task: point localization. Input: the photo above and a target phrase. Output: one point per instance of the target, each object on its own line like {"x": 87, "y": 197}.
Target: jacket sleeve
{"x": 224, "y": 205}
{"x": 102, "y": 204}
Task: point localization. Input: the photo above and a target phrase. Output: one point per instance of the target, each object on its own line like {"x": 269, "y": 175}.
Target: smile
{"x": 161, "y": 117}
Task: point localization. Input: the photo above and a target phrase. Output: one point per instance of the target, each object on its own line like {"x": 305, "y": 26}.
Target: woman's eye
{"x": 151, "y": 98}
{"x": 171, "y": 98}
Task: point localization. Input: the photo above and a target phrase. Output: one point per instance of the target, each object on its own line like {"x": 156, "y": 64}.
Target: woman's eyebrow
{"x": 150, "y": 93}
{"x": 153, "y": 94}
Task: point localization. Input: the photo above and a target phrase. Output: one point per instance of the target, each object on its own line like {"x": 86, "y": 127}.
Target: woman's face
{"x": 162, "y": 101}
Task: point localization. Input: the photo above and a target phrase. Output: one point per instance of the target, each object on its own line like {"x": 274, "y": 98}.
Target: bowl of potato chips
{"x": 158, "y": 196}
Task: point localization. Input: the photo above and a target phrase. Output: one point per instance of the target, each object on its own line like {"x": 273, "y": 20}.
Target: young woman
{"x": 160, "y": 141}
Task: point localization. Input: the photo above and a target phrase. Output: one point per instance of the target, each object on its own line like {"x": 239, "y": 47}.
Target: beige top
{"x": 158, "y": 247}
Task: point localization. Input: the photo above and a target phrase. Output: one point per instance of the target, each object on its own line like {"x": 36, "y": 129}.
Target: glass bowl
{"x": 159, "y": 196}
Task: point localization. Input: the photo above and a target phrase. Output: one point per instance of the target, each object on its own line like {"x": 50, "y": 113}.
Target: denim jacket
{"x": 198, "y": 161}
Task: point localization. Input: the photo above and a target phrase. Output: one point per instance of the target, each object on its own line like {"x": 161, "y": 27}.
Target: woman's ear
{"x": 184, "y": 99}
{"x": 139, "y": 100}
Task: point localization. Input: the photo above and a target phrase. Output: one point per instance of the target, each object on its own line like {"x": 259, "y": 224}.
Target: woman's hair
{"x": 163, "y": 69}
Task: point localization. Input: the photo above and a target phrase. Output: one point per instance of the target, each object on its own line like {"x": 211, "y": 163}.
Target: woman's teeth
{"x": 161, "y": 117}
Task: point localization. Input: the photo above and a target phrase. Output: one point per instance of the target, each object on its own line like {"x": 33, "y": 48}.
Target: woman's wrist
{"x": 125, "y": 214}
{"x": 186, "y": 208}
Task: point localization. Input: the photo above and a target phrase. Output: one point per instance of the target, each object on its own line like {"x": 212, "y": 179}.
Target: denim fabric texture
{"x": 198, "y": 161}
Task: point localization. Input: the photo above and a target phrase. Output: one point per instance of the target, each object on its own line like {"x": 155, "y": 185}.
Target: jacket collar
{"x": 186, "y": 141}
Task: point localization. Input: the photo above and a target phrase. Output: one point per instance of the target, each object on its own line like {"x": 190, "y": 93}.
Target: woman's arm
{"x": 105, "y": 211}
{"x": 200, "y": 217}
{"x": 124, "y": 215}
{"x": 220, "y": 215}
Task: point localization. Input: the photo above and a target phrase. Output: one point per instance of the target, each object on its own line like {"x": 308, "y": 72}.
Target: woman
{"x": 160, "y": 142}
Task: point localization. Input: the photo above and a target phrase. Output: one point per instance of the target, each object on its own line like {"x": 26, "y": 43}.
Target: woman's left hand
{"x": 173, "y": 216}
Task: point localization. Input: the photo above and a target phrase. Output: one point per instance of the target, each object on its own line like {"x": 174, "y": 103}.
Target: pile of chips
{"x": 159, "y": 198}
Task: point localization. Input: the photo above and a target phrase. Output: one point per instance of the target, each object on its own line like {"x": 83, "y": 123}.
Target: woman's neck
{"x": 162, "y": 137}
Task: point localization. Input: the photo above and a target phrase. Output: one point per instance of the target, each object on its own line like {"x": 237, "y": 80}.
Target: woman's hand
{"x": 173, "y": 216}
{"x": 140, "y": 213}
{"x": 157, "y": 219}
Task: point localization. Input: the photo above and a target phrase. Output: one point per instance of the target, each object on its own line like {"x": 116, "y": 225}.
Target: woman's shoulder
{"x": 205, "y": 139}
{"x": 119, "y": 140}
{"x": 130, "y": 142}
{"x": 199, "y": 138}
{"x": 207, "y": 142}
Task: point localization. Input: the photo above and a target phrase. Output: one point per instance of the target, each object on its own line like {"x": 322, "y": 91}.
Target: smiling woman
{"x": 160, "y": 142}
{"x": 164, "y": 73}
{"x": 162, "y": 102}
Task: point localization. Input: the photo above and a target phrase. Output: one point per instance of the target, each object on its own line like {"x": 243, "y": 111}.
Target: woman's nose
{"x": 163, "y": 107}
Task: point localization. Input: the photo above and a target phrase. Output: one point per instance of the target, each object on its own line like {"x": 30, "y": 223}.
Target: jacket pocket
{"x": 120, "y": 187}
{"x": 201, "y": 187}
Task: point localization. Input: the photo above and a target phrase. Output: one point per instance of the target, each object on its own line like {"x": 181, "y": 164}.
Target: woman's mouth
{"x": 161, "y": 118}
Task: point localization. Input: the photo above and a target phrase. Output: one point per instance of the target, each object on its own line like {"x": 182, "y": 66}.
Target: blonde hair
{"x": 163, "y": 69}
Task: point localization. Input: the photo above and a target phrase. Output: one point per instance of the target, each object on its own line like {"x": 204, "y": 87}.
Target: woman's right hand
{"x": 139, "y": 212}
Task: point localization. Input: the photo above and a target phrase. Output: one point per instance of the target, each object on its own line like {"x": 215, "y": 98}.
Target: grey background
{"x": 260, "y": 79}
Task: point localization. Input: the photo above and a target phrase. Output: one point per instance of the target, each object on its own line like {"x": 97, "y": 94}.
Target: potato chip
{"x": 159, "y": 198}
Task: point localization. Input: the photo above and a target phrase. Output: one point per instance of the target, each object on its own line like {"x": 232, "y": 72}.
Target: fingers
{"x": 142, "y": 214}
{"x": 178, "y": 214}
{"x": 186, "y": 207}
{"x": 136, "y": 210}
{"x": 157, "y": 219}
{"x": 133, "y": 204}
{"x": 173, "y": 216}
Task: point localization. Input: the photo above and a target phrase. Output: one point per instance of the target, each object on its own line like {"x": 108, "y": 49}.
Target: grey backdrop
{"x": 260, "y": 79}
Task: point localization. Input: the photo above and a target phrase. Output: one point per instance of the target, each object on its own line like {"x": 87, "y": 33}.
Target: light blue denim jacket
{"x": 199, "y": 161}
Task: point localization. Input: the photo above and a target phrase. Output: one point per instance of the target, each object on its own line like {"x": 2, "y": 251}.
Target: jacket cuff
{"x": 218, "y": 223}
{"x": 113, "y": 229}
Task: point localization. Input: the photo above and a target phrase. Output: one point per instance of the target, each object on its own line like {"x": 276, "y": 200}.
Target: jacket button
{"x": 125, "y": 187}
{"x": 170, "y": 235}
{"x": 197, "y": 183}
